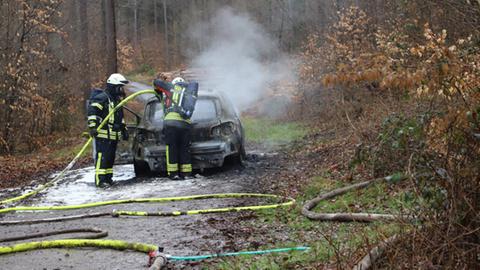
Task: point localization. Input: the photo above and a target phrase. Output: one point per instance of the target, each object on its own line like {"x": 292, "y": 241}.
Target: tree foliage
{"x": 428, "y": 85}
{"x": 29, "y": 101}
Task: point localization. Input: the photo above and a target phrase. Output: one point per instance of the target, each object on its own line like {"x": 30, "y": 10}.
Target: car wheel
{"x": 140, "y": 167}
{"x": 241, "y": 156}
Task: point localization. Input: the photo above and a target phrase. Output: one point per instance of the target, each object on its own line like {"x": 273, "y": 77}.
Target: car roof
{"x": 201, "y": 94}
{"x": 225, "y": 103}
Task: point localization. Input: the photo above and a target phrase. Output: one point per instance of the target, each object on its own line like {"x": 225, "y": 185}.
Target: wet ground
{"x": 183, "y": 235}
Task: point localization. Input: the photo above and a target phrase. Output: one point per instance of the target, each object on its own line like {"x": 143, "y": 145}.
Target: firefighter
{"x": 106, "y": 138}
{"x": 177, "y": 129}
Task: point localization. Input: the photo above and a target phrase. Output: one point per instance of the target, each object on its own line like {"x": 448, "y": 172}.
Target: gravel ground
{"x": 183, "y": 235}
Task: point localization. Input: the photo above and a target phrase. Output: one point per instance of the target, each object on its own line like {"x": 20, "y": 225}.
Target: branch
{"x": 344, "y": 217}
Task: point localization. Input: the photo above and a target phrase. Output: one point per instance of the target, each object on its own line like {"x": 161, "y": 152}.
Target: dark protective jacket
{"x": 99, "y": 108}
{"x": 170, "y": 95}
{"x": 172, "y": 109}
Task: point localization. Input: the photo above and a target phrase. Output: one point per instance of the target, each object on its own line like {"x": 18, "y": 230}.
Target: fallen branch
{"x": 344, "y": 217}
{"x": 376, "y": 252}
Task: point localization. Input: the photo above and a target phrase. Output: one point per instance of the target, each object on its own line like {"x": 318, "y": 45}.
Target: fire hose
{"x": 157, "y": 258}
{"x": 116, "y": 213}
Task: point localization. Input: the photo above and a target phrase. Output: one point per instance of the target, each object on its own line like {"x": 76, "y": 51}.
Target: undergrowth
{"x": 332, "y": 245}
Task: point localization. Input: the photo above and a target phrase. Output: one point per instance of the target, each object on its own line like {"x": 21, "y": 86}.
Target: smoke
{"x": 238, "y": 57}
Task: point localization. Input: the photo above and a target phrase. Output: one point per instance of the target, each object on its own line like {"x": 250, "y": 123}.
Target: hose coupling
{"x": 157, "y": 259}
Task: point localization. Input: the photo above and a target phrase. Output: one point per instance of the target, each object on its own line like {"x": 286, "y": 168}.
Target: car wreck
{"x": 217, "y": 134}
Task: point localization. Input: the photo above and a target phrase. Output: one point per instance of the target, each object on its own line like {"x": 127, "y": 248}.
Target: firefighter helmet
{"x": 178, "y": 80}
{"x": 117, "y": 79}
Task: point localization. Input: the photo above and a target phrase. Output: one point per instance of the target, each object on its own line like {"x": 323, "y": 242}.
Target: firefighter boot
{"x": 174, "y": 176}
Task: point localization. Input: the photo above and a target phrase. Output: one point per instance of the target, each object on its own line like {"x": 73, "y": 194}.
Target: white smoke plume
{"x": 237, "y": 56}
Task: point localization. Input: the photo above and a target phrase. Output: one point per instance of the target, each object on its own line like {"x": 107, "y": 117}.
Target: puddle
{"x": 78, "y": 187}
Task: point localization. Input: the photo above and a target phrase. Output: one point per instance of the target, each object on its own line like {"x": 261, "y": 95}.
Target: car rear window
{"x": 205, "y": 109}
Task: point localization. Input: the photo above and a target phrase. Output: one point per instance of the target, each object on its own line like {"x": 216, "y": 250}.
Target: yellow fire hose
{"x": 156, "y": 259}
{"x": 160, "y": 200}
{"x": 78, "y": 243}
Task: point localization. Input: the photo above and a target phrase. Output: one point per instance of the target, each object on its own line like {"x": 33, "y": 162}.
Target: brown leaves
{"x": 21, "y": 170}
{"x": 125, "y": 54}
{"x": 27, "y": 101}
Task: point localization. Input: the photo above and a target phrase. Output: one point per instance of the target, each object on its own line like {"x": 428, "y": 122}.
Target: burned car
{"x": 217, "y": 134}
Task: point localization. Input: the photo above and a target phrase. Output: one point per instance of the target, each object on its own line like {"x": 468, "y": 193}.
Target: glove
{"x": 93, "y": 132}
{"x": 118, "y": 127}
{"x": 125, "y": 135}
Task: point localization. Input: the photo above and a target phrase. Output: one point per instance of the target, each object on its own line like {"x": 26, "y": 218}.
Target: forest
{"x": 381, "y": 88}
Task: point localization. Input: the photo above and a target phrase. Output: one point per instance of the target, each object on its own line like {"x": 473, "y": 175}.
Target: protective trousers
{"x": 104, "y": 154}
{"x": 178, "y": 140}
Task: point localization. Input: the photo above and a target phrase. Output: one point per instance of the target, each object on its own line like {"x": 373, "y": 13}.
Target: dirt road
{"x": 184, "y": 235}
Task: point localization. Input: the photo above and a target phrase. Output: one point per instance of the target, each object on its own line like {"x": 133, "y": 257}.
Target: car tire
{"x": 140, "y": 167}
{"x": 240, "y": 158}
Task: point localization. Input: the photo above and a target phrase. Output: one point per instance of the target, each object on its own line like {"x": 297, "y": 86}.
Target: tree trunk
{"x": 165, "y": 22}
{"x": 85, "y": 52}
{"x": 110, "y": 37}
{"x": 135, "y": 24}
{"x": 280, "y": 31}
{"x": 155, "y": 16}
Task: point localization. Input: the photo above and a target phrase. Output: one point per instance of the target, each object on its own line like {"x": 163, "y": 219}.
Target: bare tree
{"x": 155, "y": 16}
{"x": 165, "y": 22}
{"x": 110, "y": 36}
{"x": 135, "y": 24}
{"x": 84, "y": 45}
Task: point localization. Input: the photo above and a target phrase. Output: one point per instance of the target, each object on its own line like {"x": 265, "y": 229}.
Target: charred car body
{"x": 217, "y": 133}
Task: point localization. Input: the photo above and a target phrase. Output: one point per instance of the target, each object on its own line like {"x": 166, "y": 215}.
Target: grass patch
{"x": 69, "y": 151}
{"x": 263, "y": 130}
{"x": 334, "y": 246}
{"x": 72, "y": 151}
{"x": 376, "y": 198}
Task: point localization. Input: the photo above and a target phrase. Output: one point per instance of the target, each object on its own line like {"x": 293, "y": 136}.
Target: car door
{"x": 124, "y": 154}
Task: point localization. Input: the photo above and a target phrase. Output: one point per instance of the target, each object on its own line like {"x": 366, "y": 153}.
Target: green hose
{"x": 257, "y": 252}
{"x": 80, "y": 153}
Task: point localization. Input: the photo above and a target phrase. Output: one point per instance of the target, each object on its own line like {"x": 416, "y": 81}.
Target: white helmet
{"x": 178, "y": 80}
{"x": 117, "y": 79}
